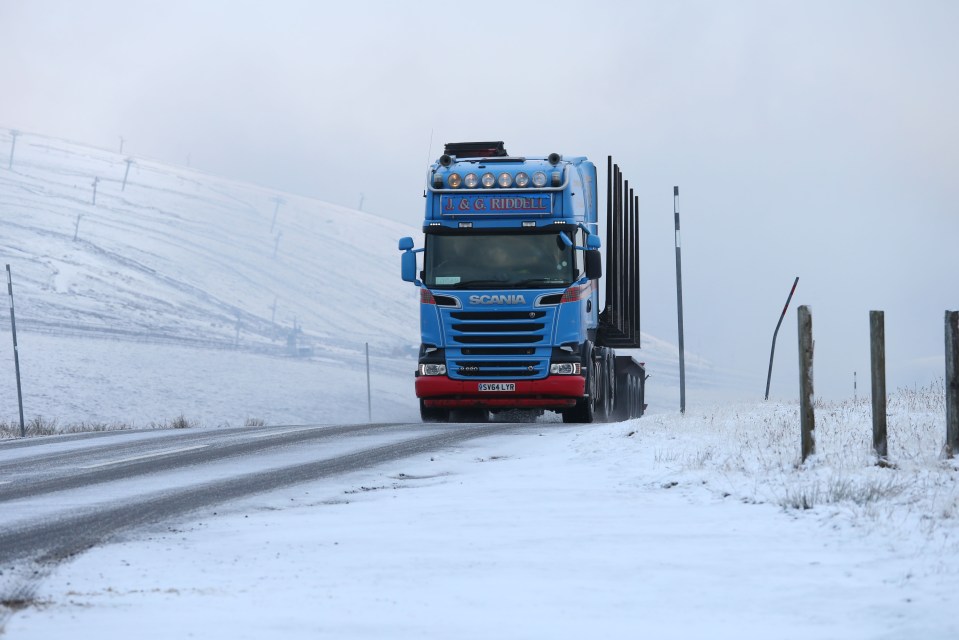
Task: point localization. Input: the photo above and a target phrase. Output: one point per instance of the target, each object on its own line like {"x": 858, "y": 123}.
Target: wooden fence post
{"x": 807, "y": 416}
{"x": 877, "y": 341}
{"x": 952, "y": 383}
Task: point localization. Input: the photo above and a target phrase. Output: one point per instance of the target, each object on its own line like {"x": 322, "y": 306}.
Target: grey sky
{"x": 816, "y": 139}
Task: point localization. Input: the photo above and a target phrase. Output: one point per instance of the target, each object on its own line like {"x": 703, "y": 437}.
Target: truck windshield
{"x": 475, "y": 261}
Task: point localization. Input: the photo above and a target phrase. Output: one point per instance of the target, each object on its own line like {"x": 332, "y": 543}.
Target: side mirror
{"x": 408, "y": 261}
{"x": 408, "y": 267}
{"x": 593, "y": 242}
{"x": 594, "y": 264}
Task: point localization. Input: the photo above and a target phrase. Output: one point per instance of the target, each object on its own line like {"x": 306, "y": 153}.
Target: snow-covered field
{"x": 694, "y": 526}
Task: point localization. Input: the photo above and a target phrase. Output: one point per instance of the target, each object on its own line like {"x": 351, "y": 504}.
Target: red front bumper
{"x": 557, "y": 392}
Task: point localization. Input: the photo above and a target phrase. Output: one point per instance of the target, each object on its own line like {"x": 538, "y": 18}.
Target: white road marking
{"x": 155, "y": 454}
{"x": 280, "y": 433}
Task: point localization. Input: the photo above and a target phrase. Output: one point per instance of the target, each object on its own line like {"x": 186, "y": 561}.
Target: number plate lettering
{"x": 497, "y": 386}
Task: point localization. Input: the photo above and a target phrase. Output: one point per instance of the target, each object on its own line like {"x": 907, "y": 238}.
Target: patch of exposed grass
{"x": 838, "y": 490}
{"x": 179, "y": 422}
{"x": 40, "y": 426}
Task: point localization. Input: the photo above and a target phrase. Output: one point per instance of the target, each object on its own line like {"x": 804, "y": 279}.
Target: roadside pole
{"x": 877, "y": 343}
{"x": 16, "y": 353}
{"x": 772, "y": 351}
{"x": 13, "y": 145}
{"x": 679, "y": 306}
{"x": 369, "y": 393}
{"x": 952, "y": 383}
{"x": 807, "y": 415}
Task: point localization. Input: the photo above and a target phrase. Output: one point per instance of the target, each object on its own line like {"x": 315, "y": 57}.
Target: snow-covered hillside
{"x": 180, "y": 254}
{"x": 186, "y": 294}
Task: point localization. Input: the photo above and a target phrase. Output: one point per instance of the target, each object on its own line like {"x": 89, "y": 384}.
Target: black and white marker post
{"x": 679, "y": 306}
{"x": 16, "y": 352}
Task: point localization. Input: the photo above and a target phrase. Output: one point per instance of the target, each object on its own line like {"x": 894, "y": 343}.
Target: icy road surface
{"x": 62, "y": 498}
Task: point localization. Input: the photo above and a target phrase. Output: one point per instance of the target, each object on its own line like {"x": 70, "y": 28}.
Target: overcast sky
{"x": 810, "y": 139}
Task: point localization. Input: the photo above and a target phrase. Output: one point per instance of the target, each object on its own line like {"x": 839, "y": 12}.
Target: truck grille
{"x": 498, "y": 344}
{"x": 478, "y": 327}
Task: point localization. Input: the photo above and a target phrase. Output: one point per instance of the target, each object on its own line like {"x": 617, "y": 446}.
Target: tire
{"x": 609, "y": 387}
{"x": 635, "y": 398}
{"x": 433, "y": 414}
{"x": 585, "y": 409}
{"x": 583, "y": 413}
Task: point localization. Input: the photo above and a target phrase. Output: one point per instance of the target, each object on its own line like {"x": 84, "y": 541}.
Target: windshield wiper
{"x": 477, "y": 283}
{"x": 539, "y": 281}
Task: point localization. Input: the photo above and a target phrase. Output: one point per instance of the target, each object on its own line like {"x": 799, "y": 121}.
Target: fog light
{"x": 432, "y": 369}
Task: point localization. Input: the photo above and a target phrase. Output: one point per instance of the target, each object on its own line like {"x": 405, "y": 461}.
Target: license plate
{"x": 497, "y": 386}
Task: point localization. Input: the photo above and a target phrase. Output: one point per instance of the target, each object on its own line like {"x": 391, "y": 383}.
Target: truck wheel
{"x": 585, "y": 409}
{"x": 433, "y": 414}
{"x": 635, "y": 398}
{"x": 609, "y": 387}
{"x": 583, "y": 412}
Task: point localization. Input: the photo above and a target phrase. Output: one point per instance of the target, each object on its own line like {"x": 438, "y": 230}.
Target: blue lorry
{"x": 509, "y": 280}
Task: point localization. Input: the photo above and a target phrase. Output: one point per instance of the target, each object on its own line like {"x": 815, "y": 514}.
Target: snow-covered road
{"x": 62, "y": 498}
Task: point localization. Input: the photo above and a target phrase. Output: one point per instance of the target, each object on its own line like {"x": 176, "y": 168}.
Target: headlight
{"x": 471, "y": 180}
{"x": 454, "y": 180}
{"x": 522, "y": 179}
{"x": 432, "y": 369}
{"x": 488, "y": 180}
{"x": 539, "y": 179}
{"x": 505, "y": 179}
{"x": 564, "y": 369}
